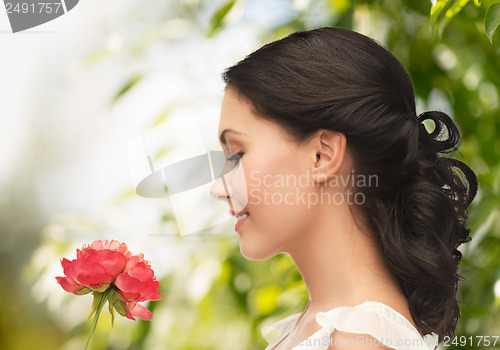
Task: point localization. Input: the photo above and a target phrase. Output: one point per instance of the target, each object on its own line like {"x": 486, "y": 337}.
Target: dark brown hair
{"x": 337, "y": 79}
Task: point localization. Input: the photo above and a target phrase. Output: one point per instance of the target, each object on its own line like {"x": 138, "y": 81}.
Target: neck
{"x": 341, "y": 265}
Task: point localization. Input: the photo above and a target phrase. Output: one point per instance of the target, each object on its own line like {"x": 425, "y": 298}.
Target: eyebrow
{"x": 222, "y": 137}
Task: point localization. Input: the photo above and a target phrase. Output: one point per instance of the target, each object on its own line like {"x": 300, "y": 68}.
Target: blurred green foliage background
{"x": 216, "y": 299}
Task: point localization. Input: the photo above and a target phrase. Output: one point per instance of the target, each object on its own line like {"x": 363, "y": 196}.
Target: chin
{"x": 256, "y": 252}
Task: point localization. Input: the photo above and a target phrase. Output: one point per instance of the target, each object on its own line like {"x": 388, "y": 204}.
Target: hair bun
{"x": 446, "y": 139}
{"x": 445, "y": 134}
{"x": 472, "y": 183}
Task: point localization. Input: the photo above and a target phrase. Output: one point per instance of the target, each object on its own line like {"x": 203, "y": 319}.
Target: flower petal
{"x": 136, "y": 310}
{"x": 69, "y": 285}
{"x": 131, "y": 263}
{"x": 112, "y": 261}
{"x": 126, "y": 283}
{"x": 133, "y": 289}
{"x": 141, "y": 272}
{"x": 97, "y": 245}
{"x": 68, "y": 268}
{"x": 88, "y": 273}
{"x": 131, "y": 297}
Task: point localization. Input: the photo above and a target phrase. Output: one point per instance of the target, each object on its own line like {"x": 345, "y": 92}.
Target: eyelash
{"x": 236, "y": 157}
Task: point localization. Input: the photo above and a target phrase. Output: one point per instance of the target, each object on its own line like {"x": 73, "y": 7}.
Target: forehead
{"x": 238, "y": 117}
{"x": 237, "y": 113}
{"x": 234, "y": 110}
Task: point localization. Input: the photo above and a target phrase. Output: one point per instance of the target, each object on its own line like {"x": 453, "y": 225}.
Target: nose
{"x": 220, "y": 189}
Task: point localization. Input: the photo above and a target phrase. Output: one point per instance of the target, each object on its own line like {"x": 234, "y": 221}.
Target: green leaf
{"x": 112, "y": 313}
{"x": 84, "y": 291}
{"x": 456, "y": 8}
{"x": 437, "y": 13}
{"x": 103, "y": 288}
{"x": 117, "y": 302}
{"x": 492, "y": 20}
{"x": 128, "y": 85}
{"x": 443, "y": 13}
{"x": 219, "y": 15}
{"x": 94, "y": 304}
{"x": 437, "y": 7}
{"x": 97, "y": 305}
{"x": 163, "y": 116}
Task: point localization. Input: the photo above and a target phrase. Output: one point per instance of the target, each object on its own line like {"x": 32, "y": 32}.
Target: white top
{"x": 374, "y": 318}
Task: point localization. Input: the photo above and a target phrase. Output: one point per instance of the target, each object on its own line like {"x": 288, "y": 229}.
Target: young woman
{"x": 329, "y": 163}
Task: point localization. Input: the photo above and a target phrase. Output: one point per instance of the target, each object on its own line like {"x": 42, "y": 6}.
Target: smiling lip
{"x": 240, "y": 222}
{"x": 241, "y": 217}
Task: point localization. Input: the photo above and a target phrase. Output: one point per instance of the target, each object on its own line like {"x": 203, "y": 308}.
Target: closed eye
{"x": 236, "y": 157}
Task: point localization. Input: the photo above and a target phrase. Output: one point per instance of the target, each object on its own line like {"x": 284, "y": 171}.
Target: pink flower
{"x": 109, "y": 267}
{"x": 113, "y": 275}
{"x": 94, "y": 269}
{"x": 137, "y": 283}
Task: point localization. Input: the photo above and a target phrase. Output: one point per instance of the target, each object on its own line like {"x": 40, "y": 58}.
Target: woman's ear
{"x": 330, "y": 148}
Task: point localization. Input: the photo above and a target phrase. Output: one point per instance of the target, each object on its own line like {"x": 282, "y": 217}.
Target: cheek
{"x": 278, "y": 192}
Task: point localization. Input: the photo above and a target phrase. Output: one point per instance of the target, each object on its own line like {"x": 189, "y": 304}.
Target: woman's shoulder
{"x": 339, "y": 340}
{"x": 368, "y": 325}
{"x": 374, "y": 323}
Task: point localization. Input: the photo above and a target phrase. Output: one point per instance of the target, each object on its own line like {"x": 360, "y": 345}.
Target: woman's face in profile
{"x": 268, "y": 181}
